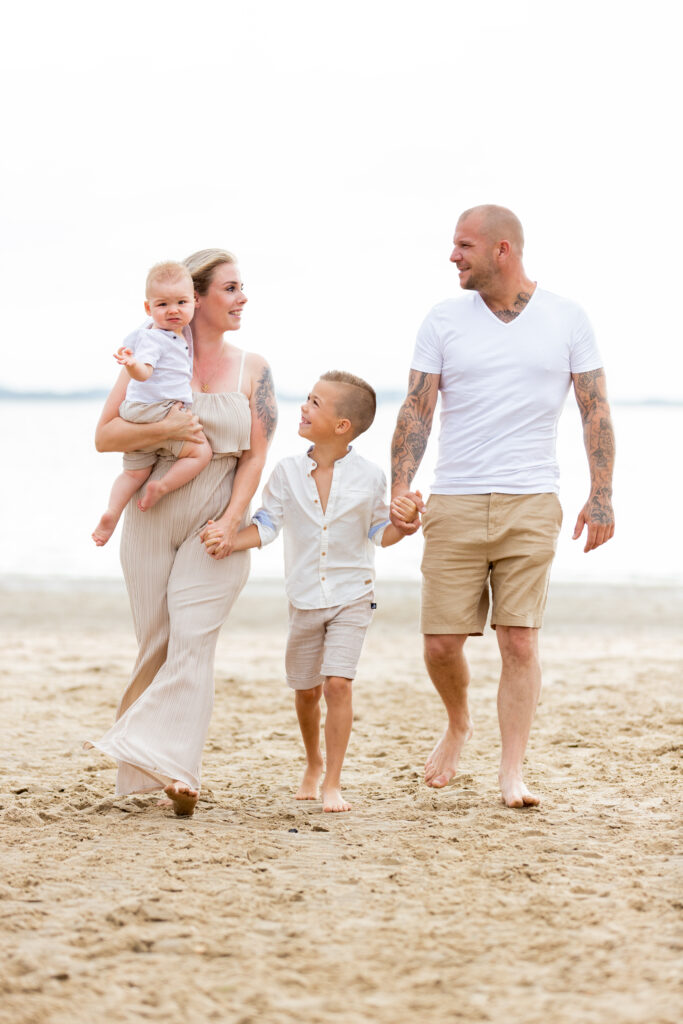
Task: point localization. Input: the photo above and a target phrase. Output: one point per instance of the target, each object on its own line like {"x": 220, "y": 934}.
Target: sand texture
{"x": 417, "y": 905}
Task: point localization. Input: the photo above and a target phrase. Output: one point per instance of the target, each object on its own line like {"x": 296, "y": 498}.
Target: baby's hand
{"x": 124, "y": 356}
{"x": 404, "y": 508}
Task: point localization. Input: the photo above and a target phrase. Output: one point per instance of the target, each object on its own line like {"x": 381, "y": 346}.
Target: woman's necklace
{"x": 205, "y": 384}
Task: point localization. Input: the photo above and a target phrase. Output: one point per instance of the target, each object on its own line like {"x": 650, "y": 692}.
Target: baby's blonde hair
{"x": 357, "y": 401}
{"x": 167, "y": 271}
{"x": 202, "y": 265}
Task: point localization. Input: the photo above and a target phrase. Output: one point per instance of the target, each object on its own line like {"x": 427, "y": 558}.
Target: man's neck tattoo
{"x": 506, "y": 315}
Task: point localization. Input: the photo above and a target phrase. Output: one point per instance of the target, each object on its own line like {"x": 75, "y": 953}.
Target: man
{"x": 503, "y": 358}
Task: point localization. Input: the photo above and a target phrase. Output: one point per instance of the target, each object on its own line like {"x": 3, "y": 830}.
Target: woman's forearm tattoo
{"x": 413, "y": 427}
{"x": 265, "y": 404}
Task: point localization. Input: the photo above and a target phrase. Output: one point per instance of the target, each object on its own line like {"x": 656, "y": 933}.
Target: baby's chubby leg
{"x": 307, "y": 703}
{"x": 125, "y": 486}
{"x": 338, "y": 724}
{"x": 189, "y": 464}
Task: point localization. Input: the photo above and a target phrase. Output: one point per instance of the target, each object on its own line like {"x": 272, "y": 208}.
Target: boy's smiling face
{"x": 319, "y": 416}
{"x": 170, "y": 304}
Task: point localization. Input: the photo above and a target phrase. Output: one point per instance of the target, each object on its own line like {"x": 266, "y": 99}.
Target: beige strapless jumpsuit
{"x": 180, "y": 598}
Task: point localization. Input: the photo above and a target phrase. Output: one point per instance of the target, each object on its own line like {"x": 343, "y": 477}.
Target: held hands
{"x": 598, "y": 515}
{"x": 218, "y": 538}
{"x": 405, "y": 511}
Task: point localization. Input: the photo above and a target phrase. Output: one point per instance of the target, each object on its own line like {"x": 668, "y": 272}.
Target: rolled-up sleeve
{"x": 380, "y": 512}
{"x": 269, "y": 518}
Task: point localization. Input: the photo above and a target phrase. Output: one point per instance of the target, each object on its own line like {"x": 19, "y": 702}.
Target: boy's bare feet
{"x": 333, "y": 799}
{"x": 153, "y": 492}
{"x": 513, "y": 791}
{"x": 442, "y": 763}
{"x": 105, "y": 528}
{"x": 308, "y": 790}
{"x": 183, "y": 798}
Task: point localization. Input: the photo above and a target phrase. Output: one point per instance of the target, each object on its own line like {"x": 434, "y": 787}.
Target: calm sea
{"x": 56, "y": 485}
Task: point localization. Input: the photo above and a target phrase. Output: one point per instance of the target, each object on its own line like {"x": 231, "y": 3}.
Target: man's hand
{"x": 598, "y": 515}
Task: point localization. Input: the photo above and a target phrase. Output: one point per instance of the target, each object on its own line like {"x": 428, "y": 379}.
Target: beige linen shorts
{"x": 152, "y": 412}
{"x": 326, "y": 642}
{"x": 473, "y": 540}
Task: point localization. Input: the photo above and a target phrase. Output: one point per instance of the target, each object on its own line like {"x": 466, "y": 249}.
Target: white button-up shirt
{"x": 329, "y": 556}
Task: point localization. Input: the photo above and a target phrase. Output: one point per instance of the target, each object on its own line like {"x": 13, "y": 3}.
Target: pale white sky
{"x": 332, "y": 148}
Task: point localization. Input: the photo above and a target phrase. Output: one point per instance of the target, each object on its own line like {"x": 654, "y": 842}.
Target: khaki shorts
{"x": 326, "y": 642}
{"x": 152, "y": 412}
{"x": 471, "y": 540}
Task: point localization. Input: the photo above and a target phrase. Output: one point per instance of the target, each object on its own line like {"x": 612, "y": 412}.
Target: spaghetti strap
{"x": 239, "y": 382}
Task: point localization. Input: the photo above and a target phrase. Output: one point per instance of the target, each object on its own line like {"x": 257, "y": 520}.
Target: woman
{"x": 180, "y": 593}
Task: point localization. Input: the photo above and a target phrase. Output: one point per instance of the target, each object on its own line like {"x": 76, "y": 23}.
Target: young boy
{"x": 159, "y": 364}
{"x": 331, "y": 503}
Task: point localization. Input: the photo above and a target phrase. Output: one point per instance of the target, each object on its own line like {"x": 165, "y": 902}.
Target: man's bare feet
{"x": 183, "y": 798}
{"x": 154, "y": 490}
{"x": 513, "y": 791}
{"x": 105, "y": 528}
{"x": 333, "y": 799}
{"x": 442, "y": 763}
{"x": 308, "y": 790}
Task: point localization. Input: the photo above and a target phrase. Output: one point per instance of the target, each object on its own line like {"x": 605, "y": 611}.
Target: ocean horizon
{"x": 47, "y": 521}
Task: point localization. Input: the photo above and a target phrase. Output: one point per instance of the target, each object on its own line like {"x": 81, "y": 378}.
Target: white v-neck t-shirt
{"x": 503, "y": 387}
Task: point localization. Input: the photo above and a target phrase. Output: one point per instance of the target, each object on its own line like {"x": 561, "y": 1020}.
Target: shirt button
{"x": 322, "y": 578}
{"x": 324, "y": 527}
{"x": 324, "y": 552}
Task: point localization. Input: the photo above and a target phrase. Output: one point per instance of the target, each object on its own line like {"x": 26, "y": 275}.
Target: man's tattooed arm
{"x": 265, "y": 406}
{"x": 591, "y": 396}
{"x": 413, "y": 427}
{"x": 506, "y": 315}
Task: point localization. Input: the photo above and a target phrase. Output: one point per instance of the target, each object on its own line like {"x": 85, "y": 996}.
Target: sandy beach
{"x": 417, "y": 905}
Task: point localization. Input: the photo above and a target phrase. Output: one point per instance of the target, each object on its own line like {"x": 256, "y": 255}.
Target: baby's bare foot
{"x": 153, "y": 492}
{"x": 105, "y": 528}
{"x": 333, "y": 799}
{"x": 183, "y": 798}
{"x": 308, "y": 790}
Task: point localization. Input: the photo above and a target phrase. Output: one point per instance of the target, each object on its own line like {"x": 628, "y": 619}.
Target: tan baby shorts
{"x": 143, "y": 412}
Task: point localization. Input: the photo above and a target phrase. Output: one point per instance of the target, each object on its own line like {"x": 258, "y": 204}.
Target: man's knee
{"x": 517, "y": 643}
{"x": 441, "y": 648}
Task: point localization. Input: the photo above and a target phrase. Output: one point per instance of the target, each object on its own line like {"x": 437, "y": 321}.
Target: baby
{"x": 159, "y": 363}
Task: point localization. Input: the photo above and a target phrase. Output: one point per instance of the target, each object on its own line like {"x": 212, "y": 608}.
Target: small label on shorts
{"x": 373, "y": 605}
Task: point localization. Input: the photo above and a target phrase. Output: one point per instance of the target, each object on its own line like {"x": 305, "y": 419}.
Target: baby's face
{"x": 170, "y": 304}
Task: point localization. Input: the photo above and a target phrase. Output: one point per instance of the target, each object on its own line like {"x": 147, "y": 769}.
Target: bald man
{"x": 503, "y": 356}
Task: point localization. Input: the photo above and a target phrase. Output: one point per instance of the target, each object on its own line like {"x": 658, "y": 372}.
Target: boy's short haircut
{"x": 357, "y": 400}
{"x": 166, "y": 272}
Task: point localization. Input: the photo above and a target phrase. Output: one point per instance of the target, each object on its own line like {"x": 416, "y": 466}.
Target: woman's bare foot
{"x": 513, "y": 791}
{"x": 333, "y": 799}
{"x": 153, "y": 492}
{"x": 183, "y": 798}
{"x": 442, "y": 763}
{"x": 308, "y": 790}
{"x": 105, "y": 528}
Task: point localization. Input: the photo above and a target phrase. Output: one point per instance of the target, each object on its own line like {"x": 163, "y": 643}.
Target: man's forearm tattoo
{"x": 413, "y": 427}
{"x": 265, "y": 404}
{"x": 506, "y": 315}
{"x": 591, "y": 396}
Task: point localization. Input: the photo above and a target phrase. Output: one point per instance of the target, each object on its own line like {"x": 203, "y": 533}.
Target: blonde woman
{"x": 180, "y": 594}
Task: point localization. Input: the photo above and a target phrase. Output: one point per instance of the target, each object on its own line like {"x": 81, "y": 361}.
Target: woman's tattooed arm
{"x": 413, "y": 427}
{"x": 264, "y": 403}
